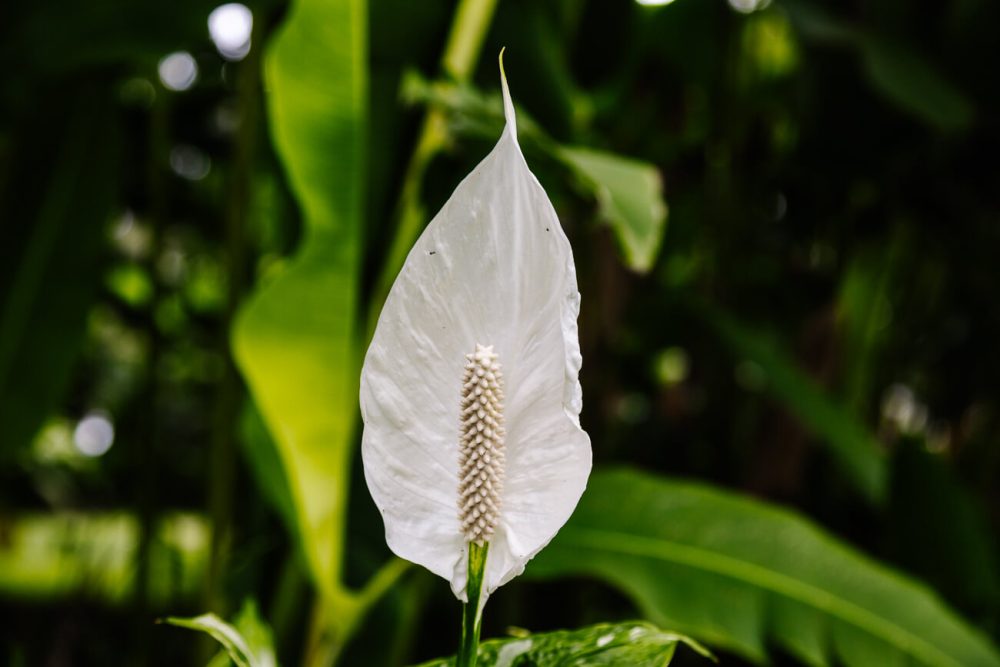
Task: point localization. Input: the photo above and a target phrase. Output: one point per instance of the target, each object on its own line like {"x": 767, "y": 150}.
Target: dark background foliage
{"x": 830, "y": 258}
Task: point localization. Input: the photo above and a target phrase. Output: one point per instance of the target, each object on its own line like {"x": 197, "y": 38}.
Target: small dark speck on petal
{"x": 432, "y": 252}
{"x": 546, "y": 229}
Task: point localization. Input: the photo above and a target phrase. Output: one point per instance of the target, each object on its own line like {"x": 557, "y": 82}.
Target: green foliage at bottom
{"x": 248, "y": 642}
{"x": 631, "y": 643}
{"x": 744, "y": 575}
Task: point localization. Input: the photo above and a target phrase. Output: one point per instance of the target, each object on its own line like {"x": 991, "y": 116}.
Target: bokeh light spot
{"x": 671, "y": 366}
{"x": 94, "y": 434}
{"x": 178, "y": 71}
{"x": 189, "y": 162}
{"x": 230, "y": 26}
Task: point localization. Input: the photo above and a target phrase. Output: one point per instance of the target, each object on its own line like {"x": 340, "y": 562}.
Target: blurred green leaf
{"x": 630, "y": 195}
{"x": 631, "y": 643}
{"x": 897, "y": 71}
{"x": 295, "y": 340}
{"x": 266, "y": 466}
{"x": 257, "y": 633}
{"x": 54, "y": 248}
{"x": 248, "y": 644}
{"x": 92, "y": 555}
{"x": 915, "y": 85}
{"x": 938, "y": 532}
{"x": 736, "y": 572}
{"x": 864, "y": 316}
{"x": 851, "y": 445}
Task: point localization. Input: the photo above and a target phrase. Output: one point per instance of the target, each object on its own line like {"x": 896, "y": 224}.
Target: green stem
{"x": 472, "y": 612}
{"x": 221, "y": 478}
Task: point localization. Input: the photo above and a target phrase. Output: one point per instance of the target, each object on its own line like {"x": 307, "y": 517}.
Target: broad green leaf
{"x": 904, "y": 78}
{"x": 248, "y": 642}
{"x": 850, "y": 444}
{"x": 52, "y": 255}
{"x": 632, "y": 643}
{"x": 630, "y": 196}
{"x": 295, "y": 340}
{"x": 739, "y": 573}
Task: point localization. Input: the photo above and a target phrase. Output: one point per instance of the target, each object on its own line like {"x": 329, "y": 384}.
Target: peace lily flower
{"x": 469, "y": 391}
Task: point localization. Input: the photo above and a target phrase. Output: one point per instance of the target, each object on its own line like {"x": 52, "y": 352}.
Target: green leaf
{"x": 296, "y": 339}
{"x": 741, "y": 574}
{"x": 904, "y": 78}
{"x": 248, "y": 644}
{"x": 92, "y": 556}
{"x": 630, "y": 196}
{"x": 256, "y": 633}
{"x": 266, "y": 466}
{"x": 851, "y": 445}
{"x": 632, "y": 643}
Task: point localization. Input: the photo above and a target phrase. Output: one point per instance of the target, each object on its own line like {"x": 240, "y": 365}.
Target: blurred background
{"x": 786, "y": 228}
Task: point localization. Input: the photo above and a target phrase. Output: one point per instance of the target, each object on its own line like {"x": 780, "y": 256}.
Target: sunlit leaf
{"x": 741, "y": 574}
{"x": 633, "y": 643}
{"x": 295, "y": 340}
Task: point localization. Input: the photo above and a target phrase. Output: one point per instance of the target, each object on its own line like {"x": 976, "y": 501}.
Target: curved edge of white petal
{"x": 421, "y": 523}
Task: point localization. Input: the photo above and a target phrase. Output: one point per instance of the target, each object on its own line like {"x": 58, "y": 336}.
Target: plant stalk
{"x": 472, "y": 611}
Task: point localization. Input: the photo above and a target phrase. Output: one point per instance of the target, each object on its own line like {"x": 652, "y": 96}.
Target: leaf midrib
{"x": 762, "y": 577}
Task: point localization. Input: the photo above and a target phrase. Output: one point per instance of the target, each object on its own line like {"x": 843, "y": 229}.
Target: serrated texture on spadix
{"x": 493, "y": 267}
{"x": 481, "y": 458}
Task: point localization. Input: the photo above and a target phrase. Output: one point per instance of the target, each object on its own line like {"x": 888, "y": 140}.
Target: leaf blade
{"x": 633, "y": 643}
{"x": 649, "y": 535}
{"x": 295, "y": 340}
{"x": 230, "y": 638}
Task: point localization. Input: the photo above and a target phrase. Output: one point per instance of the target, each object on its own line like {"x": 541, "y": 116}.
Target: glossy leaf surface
{"x": 740, "y": 574}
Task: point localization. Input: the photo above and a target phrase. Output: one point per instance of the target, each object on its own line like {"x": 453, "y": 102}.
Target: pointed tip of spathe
{"x": 508, "y": 104}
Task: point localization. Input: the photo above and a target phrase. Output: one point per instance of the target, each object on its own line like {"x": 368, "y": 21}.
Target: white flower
{"x": 493, "y": 270}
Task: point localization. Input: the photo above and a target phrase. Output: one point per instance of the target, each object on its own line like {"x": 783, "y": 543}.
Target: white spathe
{"x": 492, "y": 268}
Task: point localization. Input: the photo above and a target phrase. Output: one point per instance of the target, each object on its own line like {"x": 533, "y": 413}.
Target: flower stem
{"x": 472, "y": 612}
